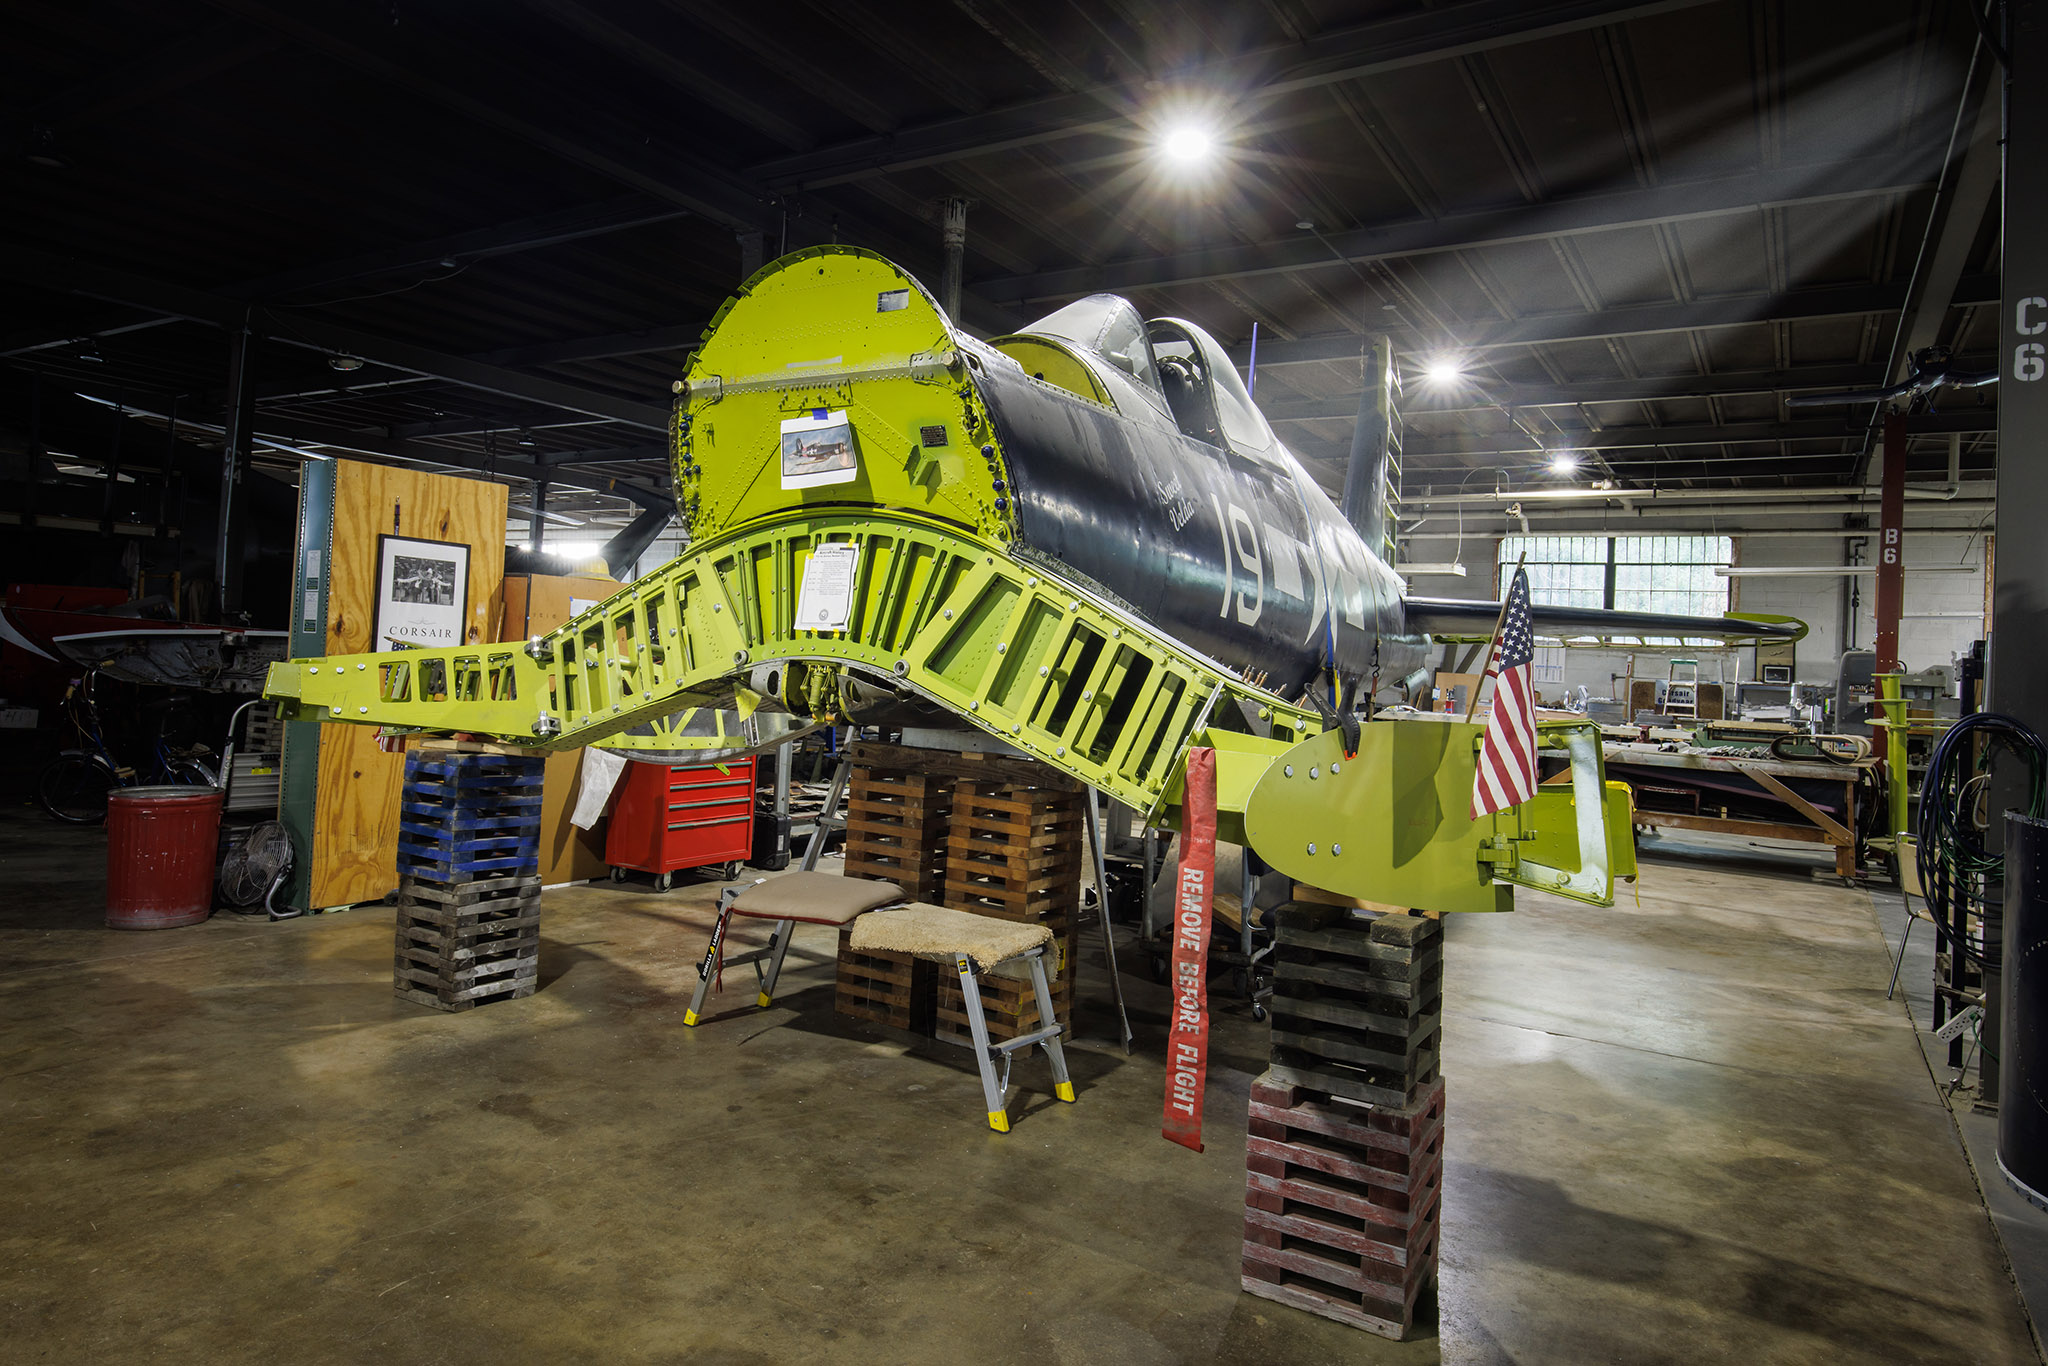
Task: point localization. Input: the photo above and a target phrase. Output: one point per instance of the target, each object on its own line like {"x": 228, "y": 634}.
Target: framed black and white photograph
{"x": 422, "y": 592}
{"x": 818, "y": 448}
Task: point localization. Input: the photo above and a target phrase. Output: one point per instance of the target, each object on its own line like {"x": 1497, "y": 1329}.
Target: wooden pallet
{"x": 896, "y": 824}
{"x": 893, "y": 989}
{"x": 1357, "y": 1003}
{"x": 1014, "y": 851}
{"x": 1343, "y": 1205}
{"x": 459, "y": 942}
{"x": 1008, "y": 1007}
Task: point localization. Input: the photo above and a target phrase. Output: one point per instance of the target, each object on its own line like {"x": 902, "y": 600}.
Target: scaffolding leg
{"x": 1116, "y": 980}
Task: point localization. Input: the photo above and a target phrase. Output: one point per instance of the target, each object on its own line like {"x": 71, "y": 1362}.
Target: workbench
{"x": 1811, "y": 801}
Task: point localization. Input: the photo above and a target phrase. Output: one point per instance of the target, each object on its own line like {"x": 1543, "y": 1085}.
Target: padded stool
{"x": 793, "y": 899}
{"x": 967, "y": 941}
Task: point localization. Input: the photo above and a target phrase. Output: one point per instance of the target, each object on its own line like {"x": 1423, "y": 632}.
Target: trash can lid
{"x": 169, "y": 792}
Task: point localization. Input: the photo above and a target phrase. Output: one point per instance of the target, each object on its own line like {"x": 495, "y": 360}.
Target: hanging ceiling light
{"x": 1188, "y": 144}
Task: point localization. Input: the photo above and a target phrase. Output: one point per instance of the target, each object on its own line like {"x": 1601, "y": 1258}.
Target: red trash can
{"x": 161, "y": 843}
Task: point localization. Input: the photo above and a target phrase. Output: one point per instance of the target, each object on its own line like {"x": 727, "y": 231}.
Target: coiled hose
{"x": 1951, "y": 848}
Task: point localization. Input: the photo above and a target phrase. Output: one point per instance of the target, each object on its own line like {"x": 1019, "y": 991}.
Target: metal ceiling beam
{"x": 510, "y": 99}
{"x": 158, "y": 69}
{"x": 1370, "y": 49}
{"x": 1957, "y": 217}
{"x": 295, "y": 432}
{"x": 1690, "y": 434}
{"x": 1636, "y": 320}
{"x": 478, "y": 244}
{"x": 646, "y": 341}
{"x": 1857, "y": 178}
{"x": 32, "y": 266}
{"x": 487, "y": 424}
{"x": 1479, "y": 395}
{"x": 300, "y": 432}
{"x": 503, "y": 98}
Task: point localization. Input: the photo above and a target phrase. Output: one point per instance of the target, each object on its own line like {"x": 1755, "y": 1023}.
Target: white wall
{"x": 1924, "y": 641}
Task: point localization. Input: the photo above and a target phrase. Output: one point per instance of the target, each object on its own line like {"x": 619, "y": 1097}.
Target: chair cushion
{"x": 937, "y": 932}
{"x": 815, "y": 898}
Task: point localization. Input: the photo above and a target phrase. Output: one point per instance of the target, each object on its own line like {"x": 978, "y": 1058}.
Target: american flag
{"x": 1507, "y": 757}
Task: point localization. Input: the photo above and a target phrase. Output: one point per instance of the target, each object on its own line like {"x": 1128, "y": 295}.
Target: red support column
{"x": 1891, "y": 544}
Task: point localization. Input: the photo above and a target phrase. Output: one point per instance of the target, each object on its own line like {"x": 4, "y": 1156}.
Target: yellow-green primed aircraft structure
{"x": 1083, "y": 539}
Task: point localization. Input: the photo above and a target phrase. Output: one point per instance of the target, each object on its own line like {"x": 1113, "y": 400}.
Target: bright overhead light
{"x": 576, "y": 551}
{"x": 1443, "y": 370}
{"x": 1564, "y": 462}
{"x": 1188, "y": 144}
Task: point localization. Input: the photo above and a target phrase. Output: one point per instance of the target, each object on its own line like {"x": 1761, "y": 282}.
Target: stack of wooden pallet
{"x": 896, "y": 828}
{"x": 895, "y": 832}
{"x": 1344, "y": 1163}
{"x": 468, "y": 919}
{"x": 1014, "y": 852}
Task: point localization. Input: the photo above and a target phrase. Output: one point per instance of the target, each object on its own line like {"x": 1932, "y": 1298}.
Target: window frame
{"x": 1612, "y": 561}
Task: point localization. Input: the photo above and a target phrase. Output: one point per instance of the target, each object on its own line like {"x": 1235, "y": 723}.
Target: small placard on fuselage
{"x": 892, "y": 300}
{"x": 818, "y": 448}
{"x": 825, "y": 600}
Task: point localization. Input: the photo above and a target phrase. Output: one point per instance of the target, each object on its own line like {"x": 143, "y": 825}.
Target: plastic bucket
{"x": 161, "y": 843}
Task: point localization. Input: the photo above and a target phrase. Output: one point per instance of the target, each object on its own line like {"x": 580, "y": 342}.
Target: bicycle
{"x": 74, "y": 786}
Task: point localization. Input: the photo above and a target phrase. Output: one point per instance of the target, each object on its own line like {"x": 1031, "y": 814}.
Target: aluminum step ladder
{"x": 1682, "y": 694}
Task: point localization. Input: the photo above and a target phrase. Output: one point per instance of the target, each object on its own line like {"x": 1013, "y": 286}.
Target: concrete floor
{"x": 1690, "y": 1130}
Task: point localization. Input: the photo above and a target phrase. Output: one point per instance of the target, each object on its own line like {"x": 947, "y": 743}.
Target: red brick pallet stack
{"x": 1014, "y": 853}
{"x": 1344, "y": 1160}
{"x": 895, "y": 832}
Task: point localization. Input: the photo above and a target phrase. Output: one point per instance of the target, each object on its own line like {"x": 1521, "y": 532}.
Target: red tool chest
{"x": 686, "y": 816}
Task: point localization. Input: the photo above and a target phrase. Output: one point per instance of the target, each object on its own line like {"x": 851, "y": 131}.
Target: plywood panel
{"x": 355, "y": 849}
{"x": 534, "y": 605}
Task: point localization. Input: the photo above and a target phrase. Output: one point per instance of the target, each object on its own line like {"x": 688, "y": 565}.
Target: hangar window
{"x": 1673, "y": 574}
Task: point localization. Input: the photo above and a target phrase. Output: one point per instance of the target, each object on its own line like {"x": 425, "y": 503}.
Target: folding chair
{"x": 802, "y": 898}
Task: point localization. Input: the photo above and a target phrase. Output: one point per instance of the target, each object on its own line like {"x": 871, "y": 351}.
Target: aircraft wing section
{"x": 208, "y": 657}
{"x": 1461, "y": 617}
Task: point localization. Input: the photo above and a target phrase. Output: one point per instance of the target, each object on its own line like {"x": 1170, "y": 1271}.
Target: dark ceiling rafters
{"x": 1835, "y": 301}
{"x": 29, "y": 265}
{"x": 525, "y": 234}
{"x": 1351, "y": 54}
{"x": 1863, "y": 178}
{"x": 1720, "y": 278}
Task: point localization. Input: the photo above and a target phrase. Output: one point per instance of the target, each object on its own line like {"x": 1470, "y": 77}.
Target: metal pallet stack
{"x": 468, "y": 919}
{"x": 1344, "y": 1162}
{"x": 896, "y": 822}
{"x": 1014, "y": 853}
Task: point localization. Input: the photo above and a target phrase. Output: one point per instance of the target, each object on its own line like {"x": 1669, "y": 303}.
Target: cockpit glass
{"x": 1106, "y": 324}
{"x": 1244, "y": 427}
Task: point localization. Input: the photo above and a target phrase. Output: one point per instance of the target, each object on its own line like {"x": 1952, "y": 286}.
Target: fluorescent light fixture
{"x": 1188, "y": 144}
{"x": 1819, "y": 571}
{"x": 1452, "y": 570}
